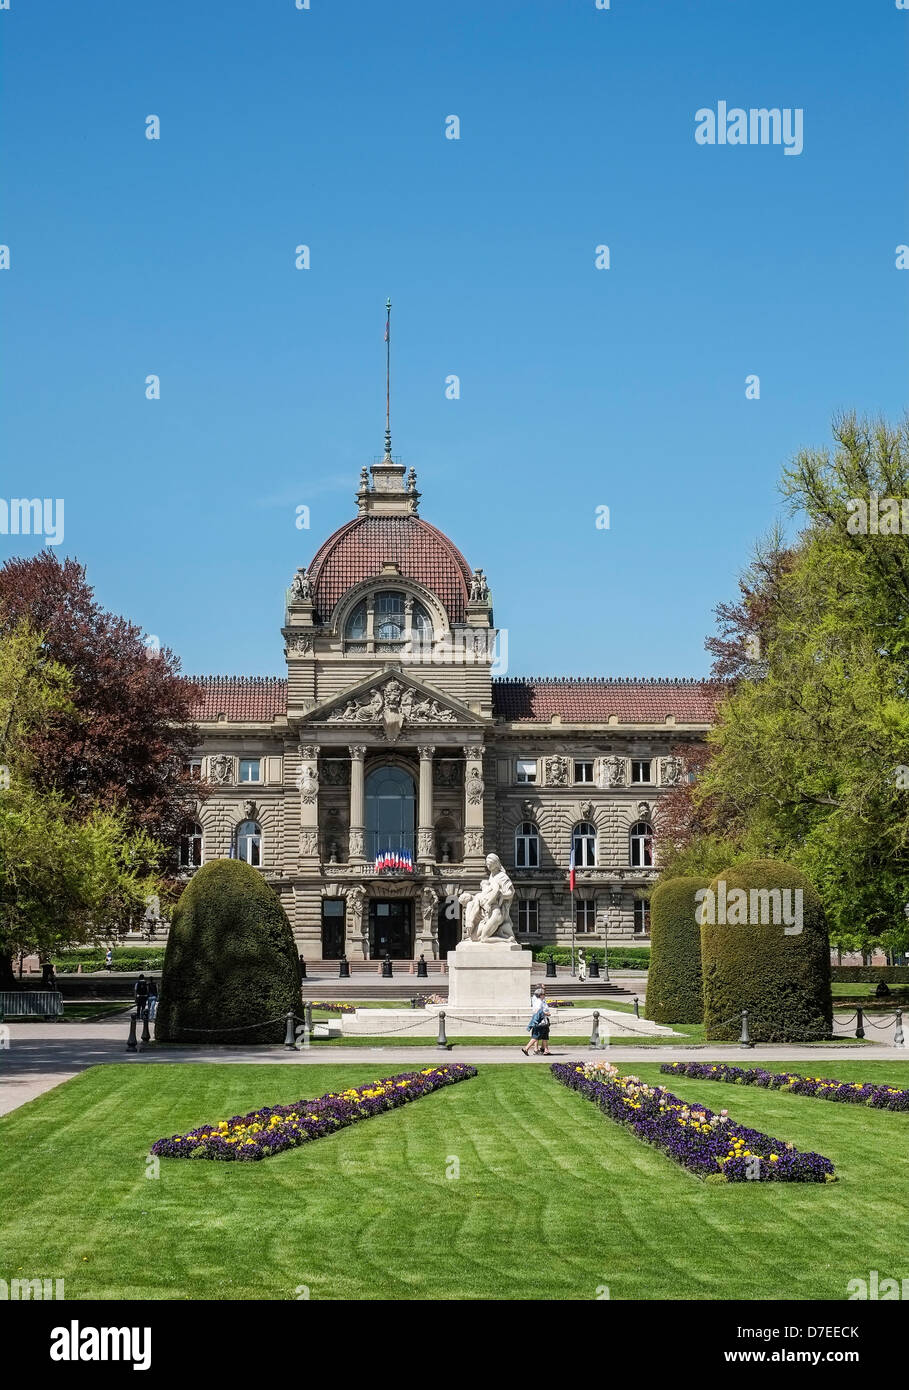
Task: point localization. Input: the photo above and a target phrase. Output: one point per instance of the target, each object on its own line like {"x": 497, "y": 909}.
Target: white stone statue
{"x": 487, "y": 914}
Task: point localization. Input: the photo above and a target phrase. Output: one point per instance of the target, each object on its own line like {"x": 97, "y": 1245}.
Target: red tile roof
{"x": 533, "y": 700}
{"x": 527, "y": 700}
{"x": 240, "y": 697}
{"x": 360, "y": 548}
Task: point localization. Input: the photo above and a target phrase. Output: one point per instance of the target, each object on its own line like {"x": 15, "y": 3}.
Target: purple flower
{"x": 274, "y": 1128}
{"x": 707, "y": 1144}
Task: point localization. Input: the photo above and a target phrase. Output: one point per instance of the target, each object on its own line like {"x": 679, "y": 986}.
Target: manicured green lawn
{"x": 553, "y": 1200}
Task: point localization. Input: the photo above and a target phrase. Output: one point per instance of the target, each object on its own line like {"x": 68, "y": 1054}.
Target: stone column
{"x": 474, "y": 790}
{"x": 308, "y": 785}
{"x": 425, "y": 848}
{"x": 357, "y": 803}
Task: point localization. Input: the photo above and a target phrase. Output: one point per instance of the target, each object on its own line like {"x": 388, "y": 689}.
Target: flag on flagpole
{"x": 571, "y": 870}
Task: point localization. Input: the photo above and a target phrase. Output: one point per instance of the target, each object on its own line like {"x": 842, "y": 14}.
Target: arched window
{"x": 249, "y": 842}
{"x": 390, "y": 810}
{"x": 190, "y": 844}
{"x": 642, "y": 845}
{"x": 527, "y": 846}
{"x": 584, "y": 844}
{"x": 356, "y": 623}
{"x": 389, "y": 608}
{"x": 389, "y": 616}
{"x": 421, "y": 623}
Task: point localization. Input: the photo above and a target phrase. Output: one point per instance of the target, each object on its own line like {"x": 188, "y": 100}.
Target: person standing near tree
{"x": 109, "y": 959}
{"x": 141, "y": 992}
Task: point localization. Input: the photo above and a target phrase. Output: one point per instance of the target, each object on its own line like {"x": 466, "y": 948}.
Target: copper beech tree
{"x": 127, "y": 742}
{"x": 121, "y": 745}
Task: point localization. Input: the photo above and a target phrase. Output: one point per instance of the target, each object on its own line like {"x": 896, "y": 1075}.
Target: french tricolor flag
{"x": 571, "y": 870}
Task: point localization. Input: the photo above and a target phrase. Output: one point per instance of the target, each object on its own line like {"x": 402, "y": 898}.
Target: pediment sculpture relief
{"x": 392, "y": 704}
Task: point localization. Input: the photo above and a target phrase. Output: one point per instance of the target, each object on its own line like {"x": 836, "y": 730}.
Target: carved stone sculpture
{"x": 614, "y": 771}
{"x": 473, "y": 842}
{"x": 392, "y": 703}
{"x": 671, "y": 771}
{"x": 557, "y": 770}
{"x": 222, "y": 769}
{"x": 301, "y": 585}
{"x": 479, "y": 589}
{"x": 487, "y": 914}
{"x": 474, "y": 786}
{"x": 308, "y": 784}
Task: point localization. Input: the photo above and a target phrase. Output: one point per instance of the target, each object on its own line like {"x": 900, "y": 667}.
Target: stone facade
{"x": 391, "y": 727}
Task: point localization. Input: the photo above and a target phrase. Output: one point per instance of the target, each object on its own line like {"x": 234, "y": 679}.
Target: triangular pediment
{"x": 394, "y": 699}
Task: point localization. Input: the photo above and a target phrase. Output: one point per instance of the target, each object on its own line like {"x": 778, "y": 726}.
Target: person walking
{"x": 538, "y": 1027}
{"x": 109, "y": 959}
{"x": 152, "y": 999}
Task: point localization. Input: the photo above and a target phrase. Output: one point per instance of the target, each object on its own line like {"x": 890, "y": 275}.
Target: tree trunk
{"x": 7, "y": 978}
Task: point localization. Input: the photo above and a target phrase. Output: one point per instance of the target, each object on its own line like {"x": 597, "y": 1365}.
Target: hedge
{"x": 869, "y": 974}
{"x": 130, "y": 959}
{"x": 231, "y": 961}
{"x": 619, "y": 956}
{"x": 674, "y": 990}
{"x": 782, "y": 980}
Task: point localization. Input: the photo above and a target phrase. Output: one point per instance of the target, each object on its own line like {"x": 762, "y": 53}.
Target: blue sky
{"x": 579, "y": 387}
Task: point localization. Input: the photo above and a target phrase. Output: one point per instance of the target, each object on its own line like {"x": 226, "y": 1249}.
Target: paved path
{"x": 43, "y": 1055}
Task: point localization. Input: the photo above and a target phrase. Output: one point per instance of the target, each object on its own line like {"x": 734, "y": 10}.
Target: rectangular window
{"x": 583, "y": 772}
{"x": 585, "y": 915}
{"x": 527, "y": 770}
{"x": 250, "y": 769}
{"x": 641, "y": 917}
{"x": 640, "y": 770}
{"x": 528, "y": 916}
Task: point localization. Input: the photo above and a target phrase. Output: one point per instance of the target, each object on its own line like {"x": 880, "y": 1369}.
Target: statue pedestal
{"x": 489, "y": 975}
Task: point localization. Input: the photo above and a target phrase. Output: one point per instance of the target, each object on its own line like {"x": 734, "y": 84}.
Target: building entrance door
{"x": 449, "y": 932}
{"x": 391, "y": 929}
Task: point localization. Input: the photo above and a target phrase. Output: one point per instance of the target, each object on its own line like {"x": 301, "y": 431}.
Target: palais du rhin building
{"x": 391, "y": 732}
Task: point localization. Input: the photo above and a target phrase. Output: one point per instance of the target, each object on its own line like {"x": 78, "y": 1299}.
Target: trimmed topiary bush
{"x": 780, "y": 975}
{"x": 674, "y": 993}
{"x": 230, "y": 961}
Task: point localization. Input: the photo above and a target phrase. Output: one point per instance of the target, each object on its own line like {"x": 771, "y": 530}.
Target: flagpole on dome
{"x": 388, "y": 378}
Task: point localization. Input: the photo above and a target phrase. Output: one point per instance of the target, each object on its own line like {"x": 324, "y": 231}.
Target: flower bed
{"x": 823, "y": 1088}
{"x": 420, "y": 1001}
{"x": 709, "y": 1145}
{"x": 332, "y": 1007}
{"x": 278, "y": 1127}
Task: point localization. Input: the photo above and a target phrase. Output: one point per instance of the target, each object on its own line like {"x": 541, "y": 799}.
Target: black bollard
{"x": 290, "y": 1042}
{"x": 387, "y": 971}
{"x": 422, "y": 972}
{"x": 595, "y": 1032}
{"x": 131, "y": 1040}
{"x": 860, "y": 1025}
{"x": 343, "y": 968}
{"x": 307, "y": 1019}
{"x": 898, "y": 1031}
{"x": 442, "y": 1041}
{"x": 146, "y": 1035}
{"x": 550, "y": 968}
{"x": 302, "y": 968}
{"x": 745, "y": 1039}
{"x": 594, "y": 971}
{"x": 637, "y": 1007}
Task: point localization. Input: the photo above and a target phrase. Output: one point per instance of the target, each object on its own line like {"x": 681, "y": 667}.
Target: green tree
{"x": 809, "y": 757}
{"x": 64, "y": 878}
{"x": 231, "y": 965}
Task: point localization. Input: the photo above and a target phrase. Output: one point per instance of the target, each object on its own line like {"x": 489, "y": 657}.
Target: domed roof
{"x": 358, "y": 550}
